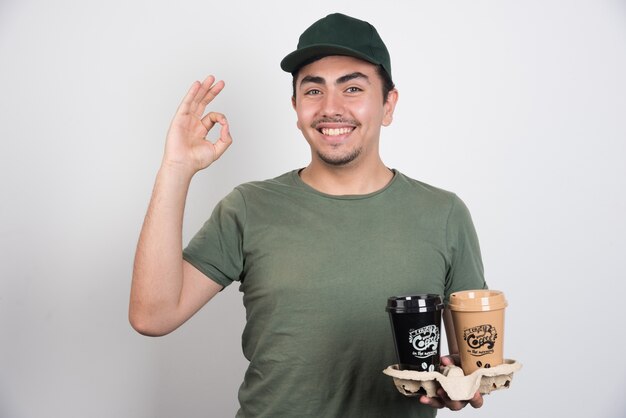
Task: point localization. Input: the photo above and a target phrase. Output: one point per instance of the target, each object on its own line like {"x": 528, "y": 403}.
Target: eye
{"x": 312, "y": 92}
{"x": 353, "y": 89}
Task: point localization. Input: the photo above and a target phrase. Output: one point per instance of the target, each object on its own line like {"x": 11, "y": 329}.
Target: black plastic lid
{"x": 414, "y": 303}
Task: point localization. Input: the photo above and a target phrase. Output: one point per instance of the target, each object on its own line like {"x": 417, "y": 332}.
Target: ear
{"x": 389, "y": 107}
{"x": 293, "y": 104}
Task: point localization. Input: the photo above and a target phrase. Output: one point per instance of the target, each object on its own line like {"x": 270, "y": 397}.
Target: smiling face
{"x": 340, "y": 110}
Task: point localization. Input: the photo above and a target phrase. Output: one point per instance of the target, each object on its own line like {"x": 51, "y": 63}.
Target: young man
{"x": 317, "y": 250}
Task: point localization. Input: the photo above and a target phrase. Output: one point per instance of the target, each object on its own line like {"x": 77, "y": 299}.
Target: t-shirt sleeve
{"x": 217, "y": 248}
{"x": 465, "y": 271}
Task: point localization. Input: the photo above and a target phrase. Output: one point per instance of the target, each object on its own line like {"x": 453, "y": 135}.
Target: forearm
{"x": 158, "y": 270}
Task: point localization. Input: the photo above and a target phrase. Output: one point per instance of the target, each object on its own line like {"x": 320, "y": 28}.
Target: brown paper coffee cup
{"x": 478, "y": 318}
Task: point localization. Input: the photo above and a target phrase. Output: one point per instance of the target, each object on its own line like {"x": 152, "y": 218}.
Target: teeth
{"x": 336, "y": 131}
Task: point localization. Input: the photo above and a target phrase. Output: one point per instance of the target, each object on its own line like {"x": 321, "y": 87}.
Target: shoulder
{"x": 256, "y": 192}
{"x": 276, "y": 183}
{"x": 425, "y": 193}
{"x": 442, "y": 204}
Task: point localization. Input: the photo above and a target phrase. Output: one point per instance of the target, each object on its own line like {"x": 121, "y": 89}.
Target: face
{"x": 340, "y": 110}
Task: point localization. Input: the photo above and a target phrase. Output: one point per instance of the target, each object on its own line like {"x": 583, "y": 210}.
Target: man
{"x": 317, "y": 250}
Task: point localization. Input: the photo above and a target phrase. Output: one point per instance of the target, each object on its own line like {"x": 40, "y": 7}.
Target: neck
{"x": 346, "y": 180}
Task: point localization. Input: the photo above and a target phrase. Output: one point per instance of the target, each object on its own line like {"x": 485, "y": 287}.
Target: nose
{"x": 332, "y": 104}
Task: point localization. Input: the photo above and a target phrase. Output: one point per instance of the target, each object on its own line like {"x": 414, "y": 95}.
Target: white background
{"x": 517, "y": 106}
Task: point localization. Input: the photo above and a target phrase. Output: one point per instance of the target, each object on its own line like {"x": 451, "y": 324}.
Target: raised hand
{"x": 186, "y": 146}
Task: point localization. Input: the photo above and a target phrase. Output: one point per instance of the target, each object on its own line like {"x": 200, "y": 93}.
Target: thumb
{"x": 450, "y": 360}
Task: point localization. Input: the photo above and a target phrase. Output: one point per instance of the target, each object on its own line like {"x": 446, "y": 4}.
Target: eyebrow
{"x": 312, "y": 79}
{"x": 343, "y": 79}
{"x": 352, "y": 76}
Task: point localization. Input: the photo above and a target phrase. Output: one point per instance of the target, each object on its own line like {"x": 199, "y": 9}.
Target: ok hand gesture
{"x": 186, "y": 146}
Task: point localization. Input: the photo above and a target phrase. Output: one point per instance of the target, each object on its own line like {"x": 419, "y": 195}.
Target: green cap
{"x": 338, "y": 34}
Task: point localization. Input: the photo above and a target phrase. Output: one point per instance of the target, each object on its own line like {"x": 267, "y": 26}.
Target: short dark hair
{"x": 384, "y": 77}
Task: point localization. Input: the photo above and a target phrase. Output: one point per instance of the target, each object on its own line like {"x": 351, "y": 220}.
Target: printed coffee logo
{"x": 480, "y": 339}
{"x": 425, "y": 341}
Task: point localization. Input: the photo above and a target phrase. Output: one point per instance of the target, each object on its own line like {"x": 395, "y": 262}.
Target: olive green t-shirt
{"x": 316, "y": 271}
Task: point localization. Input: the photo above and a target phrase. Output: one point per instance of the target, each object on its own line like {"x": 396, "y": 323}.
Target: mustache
{"x": 317, "y": 122}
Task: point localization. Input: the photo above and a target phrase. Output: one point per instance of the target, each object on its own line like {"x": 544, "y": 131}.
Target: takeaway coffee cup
{"x": 478, "y": 318}
{"x": 416, "y": 326}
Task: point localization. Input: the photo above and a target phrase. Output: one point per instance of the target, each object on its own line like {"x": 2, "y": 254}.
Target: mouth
{"x": 336, "y": 131}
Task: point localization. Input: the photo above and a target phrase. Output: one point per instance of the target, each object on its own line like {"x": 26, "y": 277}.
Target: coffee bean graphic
{"x": 479, "y": 363}
{"x": 487, "y": 365}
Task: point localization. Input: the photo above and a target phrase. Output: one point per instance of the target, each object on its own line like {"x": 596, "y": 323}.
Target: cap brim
{"x": 298, "y": 57}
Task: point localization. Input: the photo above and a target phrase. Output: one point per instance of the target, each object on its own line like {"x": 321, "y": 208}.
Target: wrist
{"x": 181, "y": 171}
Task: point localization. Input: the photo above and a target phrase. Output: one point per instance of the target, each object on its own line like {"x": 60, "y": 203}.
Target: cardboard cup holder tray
{"x": 453, "y": 381}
